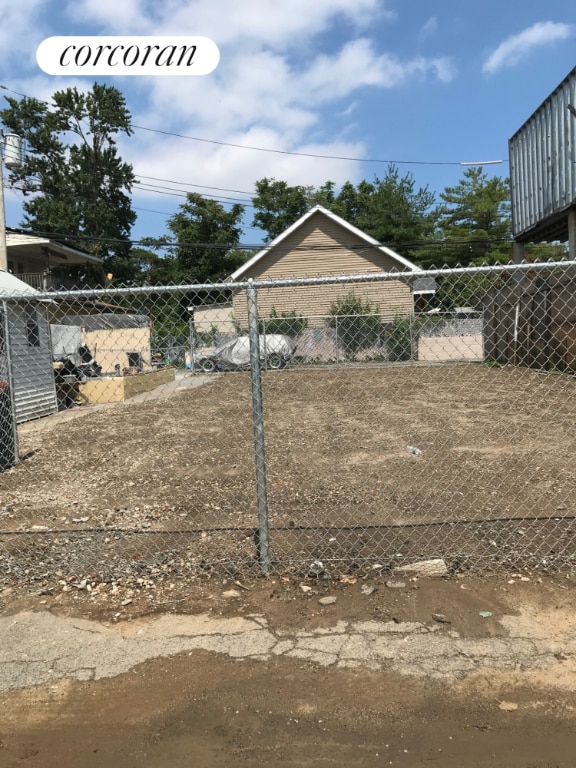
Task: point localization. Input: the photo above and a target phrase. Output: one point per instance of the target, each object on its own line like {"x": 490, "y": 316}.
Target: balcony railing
{"x": 46, "y": 281}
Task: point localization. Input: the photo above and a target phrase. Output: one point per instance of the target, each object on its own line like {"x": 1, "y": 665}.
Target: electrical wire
{"x": 287, "y": 152}
{"x": 314, "y": 154}
{"x": 330, "y": 248}
{"x": 189, "y": 184}
{"x": 151, "y": 187}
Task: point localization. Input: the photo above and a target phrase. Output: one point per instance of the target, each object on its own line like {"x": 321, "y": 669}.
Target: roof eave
{"x": 342, "y": 222}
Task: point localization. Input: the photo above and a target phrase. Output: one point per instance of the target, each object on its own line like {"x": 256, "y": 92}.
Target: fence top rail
{"x": 373, "y": 277}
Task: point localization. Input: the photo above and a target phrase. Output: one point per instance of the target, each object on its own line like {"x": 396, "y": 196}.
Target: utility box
{"x": 12, "y": 151}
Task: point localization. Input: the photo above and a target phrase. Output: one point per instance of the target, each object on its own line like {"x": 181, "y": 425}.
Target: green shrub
{"x": 206, "y": 338}
{"x": 401, "y": 339}
{"x": 357, "y": 323}
{"x": 287, "y": 323}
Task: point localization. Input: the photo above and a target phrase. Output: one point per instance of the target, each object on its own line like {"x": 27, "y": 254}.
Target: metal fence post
{"x": 336, "y": 337}
{"x": 261, "y": 537}
{"x": 191, "y": 341}
{"x": 10, "y": 377}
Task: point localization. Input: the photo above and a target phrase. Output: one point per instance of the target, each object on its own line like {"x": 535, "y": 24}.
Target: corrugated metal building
{"x": 543, "y": 170}
{"x": 30, "y": 355}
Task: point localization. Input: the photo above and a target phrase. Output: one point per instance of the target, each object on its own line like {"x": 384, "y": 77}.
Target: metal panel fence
{"x": 186, "y": 441}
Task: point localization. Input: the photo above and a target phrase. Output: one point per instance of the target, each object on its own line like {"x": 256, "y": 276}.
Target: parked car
{"x": 276, "y": 350}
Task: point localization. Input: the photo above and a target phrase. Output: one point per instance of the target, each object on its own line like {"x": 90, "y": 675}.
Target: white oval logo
{"x": 114, "y": 55}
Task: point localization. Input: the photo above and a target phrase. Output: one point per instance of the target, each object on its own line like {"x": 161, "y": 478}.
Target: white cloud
{"x": 357, "y": 65}
{"x": 16, "y": 25}
{"x": 350, "y": 109}
{"x": 281, "y": 83}
{"x": 126, "y": 17}
{"x": 428, "y": 29}
{"x": 226, "y": 21}
{"x": 518, "y": 47}
{"x": 230, "y": 168}
{"x": 443, "y": 67}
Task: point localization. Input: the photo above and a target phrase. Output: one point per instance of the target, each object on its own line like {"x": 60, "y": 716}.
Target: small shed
{"x": 115, "y": 340}
{"x": 28, "y": 349}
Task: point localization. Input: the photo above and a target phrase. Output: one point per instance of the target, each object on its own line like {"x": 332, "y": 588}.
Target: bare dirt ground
{"x": 166, "y": 486}
{"x": 135, "y": 505}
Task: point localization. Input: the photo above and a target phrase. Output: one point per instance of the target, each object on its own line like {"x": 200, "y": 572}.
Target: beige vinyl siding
{"x": 219, "y": 316}
{"x": 392, "y": 298}
{"x": 321, "y": 248}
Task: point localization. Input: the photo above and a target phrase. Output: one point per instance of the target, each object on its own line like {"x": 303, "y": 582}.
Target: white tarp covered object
{"x": 236, "y": 352}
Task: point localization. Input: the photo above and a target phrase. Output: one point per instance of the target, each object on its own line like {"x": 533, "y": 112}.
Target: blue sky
{"x": 439, "y": 83}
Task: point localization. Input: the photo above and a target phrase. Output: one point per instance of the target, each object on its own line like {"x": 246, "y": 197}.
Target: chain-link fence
{"x": 313, "y": 426}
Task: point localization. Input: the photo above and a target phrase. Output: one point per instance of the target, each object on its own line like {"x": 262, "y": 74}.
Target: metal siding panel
{"x": 562, "y": 148}
{"x": 523, "y": 182}
{"x": 555, "y": 172}
{"x": 535, "y": 167}
{"x": 33, "y": 404}
{"x": 543, "y": 156}
{"x": 32, "y": 371}
{"x": 571, "y": 158}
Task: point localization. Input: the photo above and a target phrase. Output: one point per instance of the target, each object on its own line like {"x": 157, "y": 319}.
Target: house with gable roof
{"x": 322, "y": 244}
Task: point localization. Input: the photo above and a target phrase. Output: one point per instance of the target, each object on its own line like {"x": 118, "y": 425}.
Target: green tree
{"x": 278, "y": 205}
{"x": 75, "y": 183}
{"x": 473, "y": 223}
{"x": 287, "y": 323}
{"x": 140, "y": 266}
{"x": 391, "y": 209}
{"x": 205, "y": 239}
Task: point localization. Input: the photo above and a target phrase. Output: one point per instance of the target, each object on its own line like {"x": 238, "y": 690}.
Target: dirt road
{"x": 452, "y": 672}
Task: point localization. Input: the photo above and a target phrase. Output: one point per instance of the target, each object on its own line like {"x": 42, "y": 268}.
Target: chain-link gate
{"x": 314, "y": 426}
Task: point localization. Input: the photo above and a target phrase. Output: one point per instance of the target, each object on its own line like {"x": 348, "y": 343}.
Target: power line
{"x": 189, "y": 184}
{"x": 150, "y": 210}
{"x": 180, "y": 193}
{"x": 156, "y": 189}
{"x": 332, "y": 247}
{"x": 290, "y": 153}
{"x": 312, "y": 154}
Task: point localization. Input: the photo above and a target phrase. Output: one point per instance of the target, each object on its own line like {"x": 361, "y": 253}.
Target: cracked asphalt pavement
{"x": 40, "y": 647}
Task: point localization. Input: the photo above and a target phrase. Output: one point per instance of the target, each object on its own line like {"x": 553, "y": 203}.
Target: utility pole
{"x": 12, "y": 158}
{"x": 3, "y": 249}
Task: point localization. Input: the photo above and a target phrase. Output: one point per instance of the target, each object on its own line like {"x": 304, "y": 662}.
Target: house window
{"x": 32, "y": 328}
